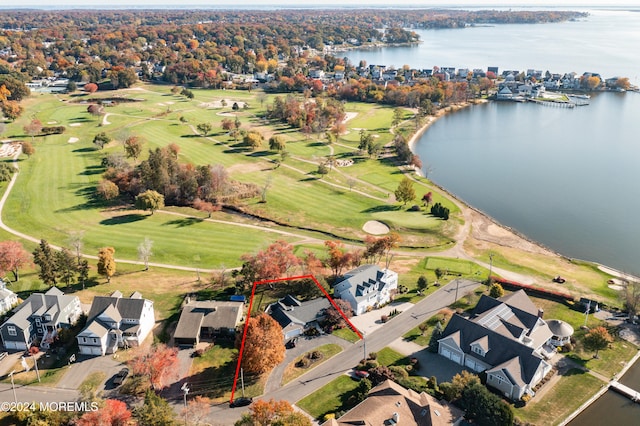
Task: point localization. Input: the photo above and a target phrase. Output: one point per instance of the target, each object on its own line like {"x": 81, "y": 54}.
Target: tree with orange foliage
{"x": 114, "y": 413}
{"x": 265, "y": 413}
{"x": 263, "y": 345}
{"x": 338, "y": 258}
{"x": 274, "y": 262}
{"x": 596, "y": 339}
{"x": 91, "y": 87}
{"x": 158, "y": 363}
{"x": 206, "y": 206}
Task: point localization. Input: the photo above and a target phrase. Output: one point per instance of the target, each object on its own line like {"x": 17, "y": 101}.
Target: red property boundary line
{"x": 246, "y": 323}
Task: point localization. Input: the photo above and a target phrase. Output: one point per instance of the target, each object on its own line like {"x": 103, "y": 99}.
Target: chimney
{"x": 540, "y": 312}
{"x": 395, "y": 418}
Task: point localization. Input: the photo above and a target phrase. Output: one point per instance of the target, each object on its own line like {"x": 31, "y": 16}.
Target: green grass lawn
{"x": 346, "y": 334}
{"x": 389, "y": 357}
{"x": 564, "y": 398}
{"x": 330, "y": 398}
{"x": 55, "y": 193}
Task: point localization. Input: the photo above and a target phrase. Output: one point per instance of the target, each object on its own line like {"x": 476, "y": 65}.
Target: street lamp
{"x": 13, "y": 386}
{"x": 185, "y": 389}
{"x": 490, "y": 267}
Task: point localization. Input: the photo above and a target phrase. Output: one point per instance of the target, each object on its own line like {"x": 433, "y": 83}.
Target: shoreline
{"x": 463, "y": 204}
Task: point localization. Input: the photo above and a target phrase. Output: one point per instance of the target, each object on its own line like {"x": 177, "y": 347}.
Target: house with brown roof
{"x": 506, "y": 338}
{"x": 391, "y": 404}
{"x": 207, "y": 319}
{"x": 116, "y": 322}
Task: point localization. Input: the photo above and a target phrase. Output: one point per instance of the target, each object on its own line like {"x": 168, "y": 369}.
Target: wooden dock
{"x": 625, "y": 390}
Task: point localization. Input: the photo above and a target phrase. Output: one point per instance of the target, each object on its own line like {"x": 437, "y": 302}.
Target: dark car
{"x": 240, "y": 402}
{"x": 119, "y": 378}
{"x": 291, "y": 343}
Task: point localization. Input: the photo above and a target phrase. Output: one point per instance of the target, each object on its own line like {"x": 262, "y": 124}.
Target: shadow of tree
{"x": 382, "y": 208}
{"x": 123, "y": 219}
{"x": 181, "y": 223}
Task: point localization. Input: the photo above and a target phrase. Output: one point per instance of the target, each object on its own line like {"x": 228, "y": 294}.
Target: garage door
{"x": 456, "y": 358}
{"x": 446, "y": 353}
{"x": 473, "y": 365}
{"x": 21, "y": 346}
{"x": 90, "y": 350}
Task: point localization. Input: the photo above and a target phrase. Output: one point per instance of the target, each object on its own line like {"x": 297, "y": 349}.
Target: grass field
{"x": 329, "y": 398}
{"x": 55, "y": 192}
{"x": 292, "y": 372}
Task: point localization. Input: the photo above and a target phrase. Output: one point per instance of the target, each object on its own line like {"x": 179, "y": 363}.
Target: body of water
{"x": 563, "y": 177}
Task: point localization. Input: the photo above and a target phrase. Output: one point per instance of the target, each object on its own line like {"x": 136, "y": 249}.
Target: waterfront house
{"x": 367, "y": 287}
{"x": 36, "y": 321}
{"x": 206, "y": 320}
{"x": 506, "y": 338}
{"x": 296, "y": 317}
{"x": 116, "y": 322}
{"x": 504, "y": 93}
{"x": 391, "y": 404}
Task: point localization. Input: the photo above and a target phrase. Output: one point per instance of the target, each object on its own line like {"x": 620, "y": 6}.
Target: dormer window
{"x": 477, "y": 349}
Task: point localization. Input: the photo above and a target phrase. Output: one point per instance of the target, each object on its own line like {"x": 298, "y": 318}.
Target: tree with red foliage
{"x": 338, "y": 258}
{"x": 263, "y": 345}
{"x": 333, "y": 318}
{"x": 159, "y": 363}
{"x": 91, "y": 87}
{"x": 272, "y": 412}
{"x": 13, "y": 256}
{"x": 274, "y": 262}
{"x": 33, "y": 128}
{"x": 114, "y": 413}
{"x": 95, "y": 109}
{"x": 427, "y": 198}
{"x": 206, "y": 206}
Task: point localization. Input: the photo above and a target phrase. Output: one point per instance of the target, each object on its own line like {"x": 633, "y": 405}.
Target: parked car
{"x": 360, "y": 374}
{"x": 240, "y": 402}
{"x": 291, "y": 343}
{"x": 119, "y": 378}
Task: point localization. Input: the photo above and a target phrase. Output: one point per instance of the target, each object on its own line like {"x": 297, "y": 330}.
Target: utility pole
{"x": 242, "y": 380}
{"x": 13, "y": 386}
{"x": 586, "y": 314}
{"x": 35, "y": 363}
{"x": 490, "y": 268}
{"x": 185, "y": 389}
{"x": 457, "y": 284}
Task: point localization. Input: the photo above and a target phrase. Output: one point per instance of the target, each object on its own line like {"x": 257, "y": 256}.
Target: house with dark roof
{"x": 206, "y": 320}
{"x": 116, "y": 322}
{"x": 391, "y": 404}
{"x": 506, "y": 338}
{"x": 367, "y": 287}
{"x": 38, "y": 319}
{"x": 296, "y": 317}
{"x": 8, "y": 299}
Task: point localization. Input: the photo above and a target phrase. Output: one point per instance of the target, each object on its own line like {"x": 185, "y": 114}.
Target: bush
{"x": 303, "y": 363}
{"x": 54, "y": 130}
{"x": 384, "y": 318}
{"x": 526, "y": 398}
{"x": 567, "y": 347}
{"x": 399, "y": 371}
{"x": 373, "y": 355}
{"x": 314, "y": 355}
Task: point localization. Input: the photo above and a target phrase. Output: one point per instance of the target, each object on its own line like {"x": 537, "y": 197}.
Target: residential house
{"x": 38, "y": 319}
{"x": 504, "y": 93}
{"x": 391, "y": 404}
{"x": 506, "y": 338}
{"x": 115, "y": 322}
{"x": 316, "y": 73}
{"x": 206, "y": 320}
{"x": 367, "y": 287}
{"x": 7, "y": 298}
{"x": 296, "y": 317}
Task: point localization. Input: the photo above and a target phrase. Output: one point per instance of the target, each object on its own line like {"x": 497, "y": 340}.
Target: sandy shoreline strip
{"x": 462, "y": 204}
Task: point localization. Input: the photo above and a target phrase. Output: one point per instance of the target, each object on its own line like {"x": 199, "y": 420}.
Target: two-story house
{"x": 38, "y": 319}
{"x": 116, "y": 322}
{"x": 7, "y": 298}
{"x": 367, "y": 287}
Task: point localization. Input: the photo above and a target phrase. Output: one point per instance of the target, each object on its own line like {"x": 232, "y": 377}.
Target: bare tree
{"x": 265, "y": 188}
{"x": 631, "y": 298}
{"x": 76, "y": 243}
{"x": 144, "y": 252}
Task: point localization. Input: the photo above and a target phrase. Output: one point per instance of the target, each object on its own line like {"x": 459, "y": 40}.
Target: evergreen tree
{"x": 435, "y": 336}
{"x": 66, "y": 265}
{"x": 43, "y": 257}
{"x": 155, "y": 411}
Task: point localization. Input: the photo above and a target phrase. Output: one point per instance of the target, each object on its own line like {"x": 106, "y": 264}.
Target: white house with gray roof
{"x": 8, "y": 299}
{"x": 116, "y": 322}
{"x": 367, "y": 287}
{"x": 38, "y": 319}
{"x": 507, "y": 338}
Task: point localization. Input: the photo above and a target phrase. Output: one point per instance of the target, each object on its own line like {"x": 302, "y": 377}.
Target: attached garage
{"x": 455, "y": 357}
{"x": 91, "y": 350}
{"x": 472, "y": 364}
{"x": 12, "y": 345}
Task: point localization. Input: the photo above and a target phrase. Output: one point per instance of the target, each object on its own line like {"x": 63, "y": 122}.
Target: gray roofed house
{"x": 38, "y": 319}
{"x": 507, "y": 338}
{"x": 114, "y": 322}
{"x": 296, "y": 317}
{"x": 207, "y": 319}
{"x": 367, "y": 287}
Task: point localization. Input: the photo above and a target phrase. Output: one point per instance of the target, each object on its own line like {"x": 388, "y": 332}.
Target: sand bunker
{"x": 218, "y": 104}
{"x": 374, "y": 227}
{"x": 73, "y": 140}
{"x": 75, "y": 124}
{"x": 9, "y": 149}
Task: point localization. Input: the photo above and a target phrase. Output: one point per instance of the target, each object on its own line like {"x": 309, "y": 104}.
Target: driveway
{"x": 369, "y": 322}
{"x": 78, "y": 371}
{"x": 430, "y": 364}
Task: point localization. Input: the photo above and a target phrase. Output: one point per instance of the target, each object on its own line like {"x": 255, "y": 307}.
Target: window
{"x": 12, "y": 330}
{"x": 478, "y": 350}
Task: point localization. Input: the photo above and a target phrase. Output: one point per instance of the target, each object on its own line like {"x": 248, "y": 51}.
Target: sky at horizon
{"x": 5, "y": 4}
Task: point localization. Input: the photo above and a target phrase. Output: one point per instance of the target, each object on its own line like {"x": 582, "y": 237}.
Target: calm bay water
{"x": 563, "y": 177}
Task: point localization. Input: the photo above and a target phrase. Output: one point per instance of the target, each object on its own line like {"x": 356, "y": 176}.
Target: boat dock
{"x": 625, "y": 390}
